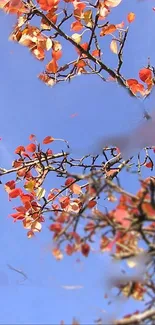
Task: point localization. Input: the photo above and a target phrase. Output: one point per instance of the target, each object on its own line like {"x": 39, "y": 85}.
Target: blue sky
{"x": 28, "y": 106}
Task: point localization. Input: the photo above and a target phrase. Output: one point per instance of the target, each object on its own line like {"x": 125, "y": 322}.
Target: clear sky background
{"x": 28, "y": 106}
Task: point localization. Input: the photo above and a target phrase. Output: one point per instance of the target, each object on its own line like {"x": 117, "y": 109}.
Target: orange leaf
{"x": 38, "y": 52}
{"x": 30, "y": 234}
{"x": 52, "y": 66}
{"x": 145, "y": 75}
{"x": 96, "y": 53}
{"x": 131, "y": 17}
{"x": 56, "y": 55}
{"x": 57, "y": 253}
{"x": 76, "y": 26}
{"x": 107, "y": 30}
{"x": 48, "y": 4}
{"x": 48, "y": 139}
{"x": 31, "y": 147}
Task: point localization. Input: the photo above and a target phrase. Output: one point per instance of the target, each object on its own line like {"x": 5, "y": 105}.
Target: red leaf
{"x": 49, "y": 152}
{"x": 18, "y": 216}
{"x": 10, "y": 186}
{"x": 149, "y": 164}
{"x": 121, "y": 215}
{"x": 14, "y": 193}
{"x": 69, "y": 181}
{"x": 85, "y": 249}
{"x": 48, "y": 139}
{"x": 31, "y": 147}
{"x": 32, "y": 137}
{"x": 19, "y": 150}
{"x": 91, "y": 204}
{"x": 64, "y": 201}
{"x": 56, "y": 227}
{"x": 69, "y": 249}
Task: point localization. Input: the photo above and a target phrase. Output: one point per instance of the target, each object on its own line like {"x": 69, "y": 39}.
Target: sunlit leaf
{"x": 76, "y": 38}
{"x": 131, "y": 17}
{"x": 108, "y": 30}
{"x": 114, "y": 47}
{"x": 40, "y": 193}
{"x": 48, "y": 140}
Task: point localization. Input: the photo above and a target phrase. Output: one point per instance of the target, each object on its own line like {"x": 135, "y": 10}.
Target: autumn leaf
{"x": 113, "y": 47}
{"x": 14, "y": 193}
{"x": 91, "y": 204}
{"x": 76, "y": 26}
{"x": 19, "y": 150}
{"x": 40, "y": 193}
{"x": 131, "y": 17}
{"x": 122, "y": 216}
{"x": 29, "y": 186}
{"x": 31, "y": 147}
{"x": 56, "y": 55}
{"x": 88, "y": 18}
{"x": 76, "y": 38}
{"x": 96, "y": 53}
{"x": 55, "y": 227}
{"x": 149, "y": 164}
{"x": 48, "y": 4}
{"x": 64, "y": 201}
{"x": 108, "y": 30}
{"x": 85, "y": 249}
{"x": 52, "y": 66}
{"x": 145, "y": 75}
{"x": 48, "y": 140}
{"x": 76, "y": 189}
{"x": 112, "y": 3}
{"x": 57, "y": 253}
{"x": 30, "y": 234}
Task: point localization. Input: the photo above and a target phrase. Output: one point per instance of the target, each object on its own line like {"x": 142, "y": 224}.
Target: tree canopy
{"x": 127, "y": 230}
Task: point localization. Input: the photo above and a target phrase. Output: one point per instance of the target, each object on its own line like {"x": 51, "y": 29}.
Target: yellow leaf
{"x": 40, "y": 193}
{"x": 113, "y": 47}
{"x": 29, "y": 186}
{"x": 88, "y": 18}
{"x": 76, "y": 38}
